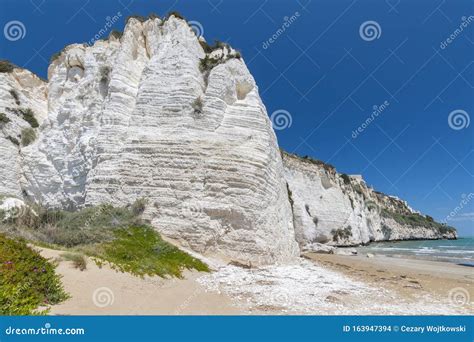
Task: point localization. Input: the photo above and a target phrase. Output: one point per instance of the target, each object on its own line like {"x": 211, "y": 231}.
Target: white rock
{"x": 11, "y": 207}
{"x": 327, "y": 209}
{"x": 138, "y": 118}
{"x": 318, "y": 248}
{"x": 345, "y": 251}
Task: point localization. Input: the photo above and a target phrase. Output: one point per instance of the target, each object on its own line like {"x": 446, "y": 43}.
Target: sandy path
{"x": 103, "y": 291}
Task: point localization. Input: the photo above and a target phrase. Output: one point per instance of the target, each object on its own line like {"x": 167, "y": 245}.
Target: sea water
{"x": 460, "y": 251}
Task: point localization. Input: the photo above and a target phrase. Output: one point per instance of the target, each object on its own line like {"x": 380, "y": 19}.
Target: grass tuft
{"x": 78, "y": 260}
{"x": 28, "y": 135}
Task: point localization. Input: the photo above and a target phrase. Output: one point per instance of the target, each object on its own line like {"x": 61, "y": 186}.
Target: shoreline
{"x": 365, "y": 244}
{"x": 408, "y": 278}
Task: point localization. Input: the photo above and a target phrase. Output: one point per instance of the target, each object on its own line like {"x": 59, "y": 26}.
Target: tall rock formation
{"x": 158, "y": 114}
{"x": 153, "y": 115}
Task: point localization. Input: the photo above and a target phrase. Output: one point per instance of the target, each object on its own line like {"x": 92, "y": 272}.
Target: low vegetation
{"x": 28, "y": 135}
{"x": 15, "y": 96}
{"x": 141, "y": 251}
{"x": 345, "y": 178}
{"x": 13, "y": 140}
{"x": 197, "y": 105}
{"x": 116, "y": 34}
{"x": 341, "y": 234}
{"x": 417, "y": 220}
{"x": 27, "y": 114}
{"x": 6, "y": 66}
{"x": 112, "y": 235}
{"x": 55, "y": 56}
{"x": 27, "y": 280}
{"x": 79, "y": 261}
{"x": 308, "y": 159}
{"x": 4, "y": 119}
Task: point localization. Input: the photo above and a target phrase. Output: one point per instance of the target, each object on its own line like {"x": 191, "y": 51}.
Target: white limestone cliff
{"x": 142, "y": 117}
{"x": 157, "y": 114}
{"x": 341, "y": 210}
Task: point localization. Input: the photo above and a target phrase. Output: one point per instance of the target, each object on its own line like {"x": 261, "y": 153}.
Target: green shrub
{"x": 116, "y": 34}
{"x": 79, "y": 261}
{"x": 4, "y": 119}
{"x": 28, "y": 135}
{"x": 346, "y": 178}
{"x": 13, "y": 140}
{"x": 27, "y": 279}
{"x": 29, "y": 116}
{"x": 341, "y": 234}
{"x": 15, "y": 96}
{"x": 138, "y": 207}
{"x": 140, "y": 250}
{"x": 417, "y": 220}
{"x": 207, "y": 63}
{"x": 6, "y": 66}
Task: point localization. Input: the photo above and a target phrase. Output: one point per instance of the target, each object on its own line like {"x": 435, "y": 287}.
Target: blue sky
{"x": 327, "y": 74}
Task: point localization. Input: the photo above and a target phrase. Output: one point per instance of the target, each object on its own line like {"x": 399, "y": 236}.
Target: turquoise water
{"x": 459, "y": 251}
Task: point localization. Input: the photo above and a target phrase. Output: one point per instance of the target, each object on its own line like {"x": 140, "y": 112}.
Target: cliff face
{"x": 337, "y": 209}
{"x": 143, "y": 117}
{"x": 157, "y": 114}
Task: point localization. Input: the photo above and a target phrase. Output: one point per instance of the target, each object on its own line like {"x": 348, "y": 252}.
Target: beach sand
{"x": 104, "y": 291}
{"x": 317, "y": 284}
{"x": 408, "y": 278}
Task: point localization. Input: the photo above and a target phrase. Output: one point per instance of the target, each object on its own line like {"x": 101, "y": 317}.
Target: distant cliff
{"x": 341, "y": 210}
{"x": 157, "y": 113}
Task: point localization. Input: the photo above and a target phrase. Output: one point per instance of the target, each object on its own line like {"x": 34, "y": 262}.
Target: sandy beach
{"x": 318, "y": 284}
{"x": 409, "y": 278}
{"x": 104, "y": 291}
